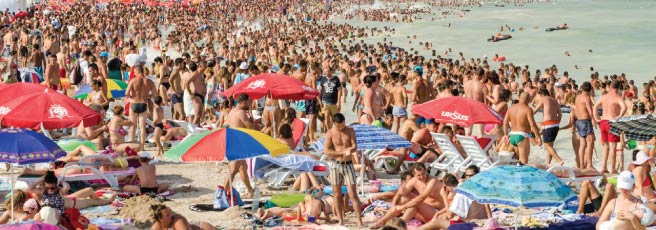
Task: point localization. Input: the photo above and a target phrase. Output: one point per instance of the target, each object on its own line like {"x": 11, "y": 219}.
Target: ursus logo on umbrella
{"x": 57, "y": 111}
{"x": 256, "y": 84}
{"x": 455, "y": 115}
{"x": 4, "y": 110}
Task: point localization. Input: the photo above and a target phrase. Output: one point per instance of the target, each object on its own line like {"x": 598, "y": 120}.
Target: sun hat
{"x": 490, "y": 224}
{"x": 641, "y": 158}
{"x": 104, "y": 54}
{"x": 49, "y": 215}
{"x": 625, "y": 180}
{"x": 418, "y": 69}
{"x": 243, "y": 65}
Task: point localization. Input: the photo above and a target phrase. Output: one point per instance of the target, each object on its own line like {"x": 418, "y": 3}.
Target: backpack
{"x": 222, "y": 199}
{"x": 76, "y": 74}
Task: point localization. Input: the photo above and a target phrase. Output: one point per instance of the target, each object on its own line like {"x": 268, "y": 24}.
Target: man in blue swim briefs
{"x": 520, "y": 115}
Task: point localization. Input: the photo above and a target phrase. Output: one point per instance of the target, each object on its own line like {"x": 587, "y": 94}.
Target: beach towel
{"x": 223, "y": 199}
{"x": 460, "y": 205}
{"x": 96, "y": 209}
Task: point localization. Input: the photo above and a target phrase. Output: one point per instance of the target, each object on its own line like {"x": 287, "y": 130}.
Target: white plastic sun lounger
{"x": 571, "y": 178}
{"x": 450, "y": 160}
{"x": 478, "y": 155}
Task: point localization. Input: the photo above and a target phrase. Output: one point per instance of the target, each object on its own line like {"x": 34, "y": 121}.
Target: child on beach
{"x": 147, "y": 178}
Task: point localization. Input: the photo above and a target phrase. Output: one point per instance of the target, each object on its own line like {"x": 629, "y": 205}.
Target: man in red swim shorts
{"x": 613, "y": 107}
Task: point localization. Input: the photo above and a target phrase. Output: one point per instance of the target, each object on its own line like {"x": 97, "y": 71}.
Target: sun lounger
{"x": 478, "y": 154}
{"x": 572, "y": 178}
{"x": 450, "y": 160}
{"x": 110, "y": 177}
{"x": 382, "y": 158}
{"x": 277, "y": 169}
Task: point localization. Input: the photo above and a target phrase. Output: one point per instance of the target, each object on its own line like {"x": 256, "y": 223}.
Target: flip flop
{"x": 204, "y": 208}
{"x": 247, "y": 216}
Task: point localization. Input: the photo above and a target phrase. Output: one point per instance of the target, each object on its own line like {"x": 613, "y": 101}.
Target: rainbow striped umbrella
{"x": 115, "y": 89}
{"x": 226, "y": 143}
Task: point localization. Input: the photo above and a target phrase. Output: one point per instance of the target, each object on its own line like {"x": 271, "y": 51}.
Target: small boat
{"x": 561, "y": 27}
{"x": 499, "y": 38}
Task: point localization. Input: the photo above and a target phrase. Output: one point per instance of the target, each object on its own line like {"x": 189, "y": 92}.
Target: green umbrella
{"x": 180, "y": 149}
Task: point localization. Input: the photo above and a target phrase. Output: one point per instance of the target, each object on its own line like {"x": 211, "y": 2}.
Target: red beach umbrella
{"x": 19, "y": 15}
{"x": 33, "y": 107}
{"x": 277, "y": 86}
{"x": 458, "y": 110}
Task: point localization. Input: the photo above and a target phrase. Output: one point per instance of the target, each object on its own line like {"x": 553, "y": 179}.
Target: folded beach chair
{"x": 571, "y": 178}
{"x": 382, "y": 159}
{"x": 299, "y": 129}
{"x": 477, "y": 153}
{"x": 450, "y": 161}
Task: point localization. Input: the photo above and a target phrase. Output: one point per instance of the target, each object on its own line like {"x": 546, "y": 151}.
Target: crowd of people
{"x": 208, "y": 48}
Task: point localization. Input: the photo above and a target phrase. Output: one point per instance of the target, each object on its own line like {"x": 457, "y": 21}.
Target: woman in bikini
{"x": 96, "y": 97}
{"x": 53, "y": 194}
{"x": 626, "y": 211}
{"x": 641, "y": 168}
{"x": 117, "y": 134}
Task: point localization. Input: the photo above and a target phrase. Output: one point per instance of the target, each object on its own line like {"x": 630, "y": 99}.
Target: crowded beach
{"x": 118, "y": 114}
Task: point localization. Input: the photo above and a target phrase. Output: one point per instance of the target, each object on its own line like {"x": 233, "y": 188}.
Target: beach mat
{"x": 96, "y": 209}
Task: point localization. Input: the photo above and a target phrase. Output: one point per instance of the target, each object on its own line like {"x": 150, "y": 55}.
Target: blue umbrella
{"x": 23, "y": 146}
{"x": 373, "y": 137}
{"x": 517, "y": 186}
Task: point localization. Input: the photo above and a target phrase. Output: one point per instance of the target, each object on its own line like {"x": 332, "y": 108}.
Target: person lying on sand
{"x": 315, "y": 204}
{"x": 165, "y": 218}
{"x": 147, "y": 176}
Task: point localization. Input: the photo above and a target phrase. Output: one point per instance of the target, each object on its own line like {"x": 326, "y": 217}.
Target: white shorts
{"x": 188, "y": 104}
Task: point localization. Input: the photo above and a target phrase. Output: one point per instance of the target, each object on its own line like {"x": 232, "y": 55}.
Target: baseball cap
{"x": 641, "y": 158}
{"x": 144, "y": 154}
{"x": 104, "y": 54}
{"x": 31, "y": 204}
{"x": 418, "y": 69}
{"x": 625, "y": 180}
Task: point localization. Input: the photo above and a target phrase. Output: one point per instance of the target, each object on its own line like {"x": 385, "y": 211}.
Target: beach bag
{"x": 223, "y": 199}
{"x": 76, "y": 74}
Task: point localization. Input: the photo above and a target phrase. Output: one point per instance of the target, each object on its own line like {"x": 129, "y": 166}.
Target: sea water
{"x": 620, "y": 33}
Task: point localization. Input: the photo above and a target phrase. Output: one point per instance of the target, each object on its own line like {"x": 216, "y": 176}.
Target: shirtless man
{"x": 240, "y": 118}
{"x": 420, "y": 88}
{"x": 584, "y": 125}
{"x": 140, "y": 90}
{"x": 340, "y": 148}
{"x": 454, "y": 214}
{"x": 193, "y": 83}
{"x": 421, "y": 140}
{"x": 177, "y": 90}
{"x": 400, "y": 101}
{"x": 147, "y": 175}
{"x": 61, "y": 62}
{"x": 38, "y": 59}
{"x": 417, "y": 198}
{"x": 372, "y": 101}
{"x": 521, "y": 117}
{"x": 550, "y": 123}
{"x": 613, "y": 107}
{"x": 474, "y": 89}
{"x": 51, "y": 76}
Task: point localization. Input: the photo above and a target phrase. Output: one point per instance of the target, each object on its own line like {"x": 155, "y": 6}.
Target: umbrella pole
{"x": 11, "y": 169}
{"x": 45, "y": 131}
{"x": 362, "y": 172}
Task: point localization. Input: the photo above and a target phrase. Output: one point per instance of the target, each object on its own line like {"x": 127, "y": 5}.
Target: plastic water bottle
{"x": 256, "y": 199}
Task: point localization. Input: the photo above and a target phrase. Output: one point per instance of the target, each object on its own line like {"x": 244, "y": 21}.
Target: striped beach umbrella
{"x": 115, "y": 89}
{"x": 639, "y": 127}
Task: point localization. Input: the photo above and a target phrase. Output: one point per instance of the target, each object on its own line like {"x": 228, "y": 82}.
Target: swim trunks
{"x": 606, "y": 135}
{"x": 421, "y": 119}
{"x": 550, "y": 131}
{"x": 138, "y": 107}
{"x": 176, "y": 98}
{"x": 594, "y": 206}
{"x": 399, "y": 111}
{"x": 147, "y": 190}
{"x": 584, "y": 127}
{"x": 311, "y": 107}
{"x": 342, "y": 172}
{"x": 516, "y": 137}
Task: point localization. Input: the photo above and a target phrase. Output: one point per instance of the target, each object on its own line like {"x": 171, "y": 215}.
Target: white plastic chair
{"x": 450, "y": 160}
{"x": 478, "y": 155}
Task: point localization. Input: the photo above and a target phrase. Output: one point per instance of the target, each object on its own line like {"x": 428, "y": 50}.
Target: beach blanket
{"x": 586, "y": 223}
{"x": 290, "y": 161}
{"x": 96, "y": 209}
